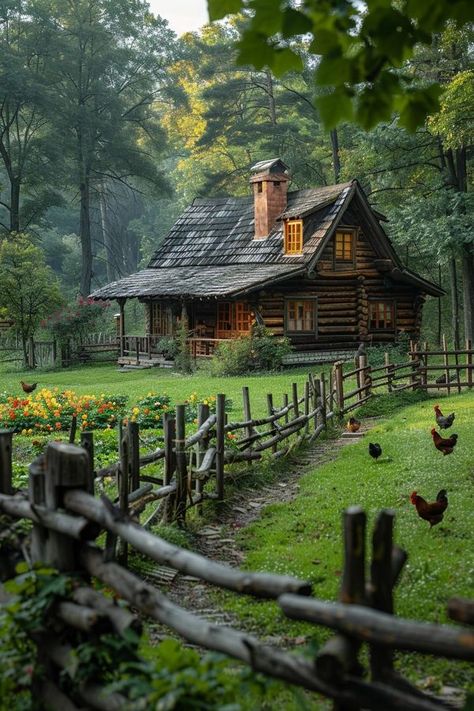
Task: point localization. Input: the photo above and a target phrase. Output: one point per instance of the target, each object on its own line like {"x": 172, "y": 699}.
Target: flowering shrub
{"x": 149, "y": 411}
{"x": 51, "y": 410}
{"x": 77, "y": 320}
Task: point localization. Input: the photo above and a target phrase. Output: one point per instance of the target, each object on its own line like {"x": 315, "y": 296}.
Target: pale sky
{"x": 182, "y": 15}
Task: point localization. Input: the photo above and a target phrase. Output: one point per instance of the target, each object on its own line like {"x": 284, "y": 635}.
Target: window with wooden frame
{"x": 233, "y": 318}
{"x": 300, "y": 316}
{"x": 344, "y": 241}
{"x": 381, "y": 315}
{"x": 160, "y": 321}
{"x": 243, "y": 317}
{"x": 293, "y": 236}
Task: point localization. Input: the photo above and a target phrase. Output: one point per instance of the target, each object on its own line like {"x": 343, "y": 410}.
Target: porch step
{"x": 127, "y": 363}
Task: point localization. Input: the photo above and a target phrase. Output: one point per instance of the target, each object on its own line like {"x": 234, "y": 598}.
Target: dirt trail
{"x": 218, "y": 540}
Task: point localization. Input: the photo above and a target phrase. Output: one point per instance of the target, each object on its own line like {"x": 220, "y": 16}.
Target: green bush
{"x": 259, "y": 351}
{"x": 168, "y": 347}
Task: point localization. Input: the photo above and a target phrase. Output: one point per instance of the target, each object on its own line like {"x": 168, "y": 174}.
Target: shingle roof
{"x": 216, "y": 231}
{"x": 208, "y": 281}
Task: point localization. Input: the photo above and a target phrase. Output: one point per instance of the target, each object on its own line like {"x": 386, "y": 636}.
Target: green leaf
{"x": 333, "y": 71}
{"x": 267, "y": 19}
{"x": 218, "y": 9}
{"x": 335, "y": 108}
{"x": 375, "y": 104}
{"x": 416, "y": 104}
{"x": 254, "y": 49}
{"x": 295, "y": 23}
{"x": 285, "y": 60}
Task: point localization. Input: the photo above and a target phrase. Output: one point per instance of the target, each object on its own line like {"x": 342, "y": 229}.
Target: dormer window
{"x": 260, "y": 187}
{"x": 293, "y": 236}
{"x": 344, "y": 246}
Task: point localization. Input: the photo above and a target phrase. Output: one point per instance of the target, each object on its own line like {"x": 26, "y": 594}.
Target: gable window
{"x": 381, "y": 315}
{"x": 344, "y": 246}
{"x": 293, "y": 236}
{"x": 301, "y": 315}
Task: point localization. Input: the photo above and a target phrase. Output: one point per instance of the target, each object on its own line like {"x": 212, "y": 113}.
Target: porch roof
{"x": 197, "y": 282}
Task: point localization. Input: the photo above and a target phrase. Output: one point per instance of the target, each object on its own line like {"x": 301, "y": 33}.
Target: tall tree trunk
{"x": 271, "y": 98}
{"x": 336, "y": 160}
{"x": 85, "y": 236}
{"x": 468, "y": 290}
{"x": 14, "y": 205}
{"x": 107, "y": 235}
{"x": 453, "y": 275}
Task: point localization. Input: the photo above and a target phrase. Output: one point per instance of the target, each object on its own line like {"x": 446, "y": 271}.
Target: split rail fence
{"x": 66, "y": 522}
{"x": 192, "y": 468}
{"x": 443, "y": 370}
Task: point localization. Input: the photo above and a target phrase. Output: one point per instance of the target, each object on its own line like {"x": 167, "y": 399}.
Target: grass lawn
{"x": 136, "y": 384}
{"x": 303, "y": 537}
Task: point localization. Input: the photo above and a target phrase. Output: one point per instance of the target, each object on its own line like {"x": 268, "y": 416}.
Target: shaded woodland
{"x": 110, "y": 125}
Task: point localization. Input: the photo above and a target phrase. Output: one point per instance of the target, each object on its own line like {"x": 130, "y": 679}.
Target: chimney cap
{"x": 272, "y": 165}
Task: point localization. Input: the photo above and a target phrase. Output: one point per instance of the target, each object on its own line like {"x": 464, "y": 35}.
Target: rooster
{"x": 353, "y": 425}
{"x": 443, "y": 421}
{"x": 431, "y": 512}
{"x": 375, "y": 450}
{"x": 27, "y": 388}
{"x": 444, "y": 445}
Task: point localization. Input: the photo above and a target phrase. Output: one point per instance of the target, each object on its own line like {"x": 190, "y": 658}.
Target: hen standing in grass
{"x": 444, "y": 445}
{"x": 443, "y": 422}
{"x": 27, "y": 388}
{"x": 375, "y": 450}
{"x": 353, "y": 425}
{"x": 430, "y": 512}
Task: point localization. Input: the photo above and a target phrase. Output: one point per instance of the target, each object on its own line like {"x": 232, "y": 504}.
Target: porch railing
{"x": 146, "y": 347}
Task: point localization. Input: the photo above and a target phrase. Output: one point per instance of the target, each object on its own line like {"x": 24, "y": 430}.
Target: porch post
{"x": 121, "y": 303}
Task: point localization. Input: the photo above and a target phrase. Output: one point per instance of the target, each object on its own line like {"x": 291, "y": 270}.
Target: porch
{"x": 144, "y": 351}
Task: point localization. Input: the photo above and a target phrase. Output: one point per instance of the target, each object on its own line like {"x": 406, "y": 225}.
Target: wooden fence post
{"x": 316, "y": 398}
{"x": 39, "y": 534}
{"x": 247, "y": 416}
{"x": 338, "y": 656}
{"x": 181, "y": 467}
{"x": 306, "y": 406}
{"x": 296, "y": 408}
{"x": 124, "y": 484}
{"x": 73, "y": 429}
{"x": 134, "y": 455}
{"x": 381, "y": 598}
{"x": 202, "y": 445}
{"x": 6, "y": 471}
{"x": 272, "y": 426}
{"x": 469, "y": 363}
{"x": 322, "y": 391}
{"x": 331, "y": 389}
{"x": 285, "y": 404}
{"x": 220, "y": 445}
{"x": 446, "y": 364}
{"x": 31, "y": 352}
{"x": 169, "y": 432}
{"x": 66, "y": 468}
{"x": 87, "y": 443}
{"x": 388, "y": 371}
{"x": 338, "y": 373}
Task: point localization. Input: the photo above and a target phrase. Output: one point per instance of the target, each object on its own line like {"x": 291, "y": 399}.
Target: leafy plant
{"x": 258, "y": 351}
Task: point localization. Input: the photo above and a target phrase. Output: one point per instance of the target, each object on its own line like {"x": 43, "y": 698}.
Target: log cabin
{"x": 314, "y": 265}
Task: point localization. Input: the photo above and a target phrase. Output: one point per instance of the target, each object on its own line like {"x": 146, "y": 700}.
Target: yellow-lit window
{"x": 300, "y": 315}
{"x": 381, "y": 315}
{"x": 293, "y": 236}
{"x": 344, "y": 246}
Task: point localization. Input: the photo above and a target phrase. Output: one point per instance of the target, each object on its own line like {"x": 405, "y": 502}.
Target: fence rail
{"x": 417, "y": 373}
{"x": 67, "y": 519}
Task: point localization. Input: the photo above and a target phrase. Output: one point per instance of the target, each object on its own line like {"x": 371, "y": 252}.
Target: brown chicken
{"x": 353, "y": 425}
{"x": 432, "y": 512}
{"x": 444, "y": 445}
{"x": 27, "y": 388}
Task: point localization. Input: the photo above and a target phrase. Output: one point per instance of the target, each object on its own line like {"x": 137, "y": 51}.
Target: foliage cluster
{"x": 173, "y": 677}
{"x": 76, "y": 321}
{"x": 258, "y": 351}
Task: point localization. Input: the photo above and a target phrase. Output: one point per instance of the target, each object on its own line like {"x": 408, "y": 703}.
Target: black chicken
{"x": 375, "y": 450}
